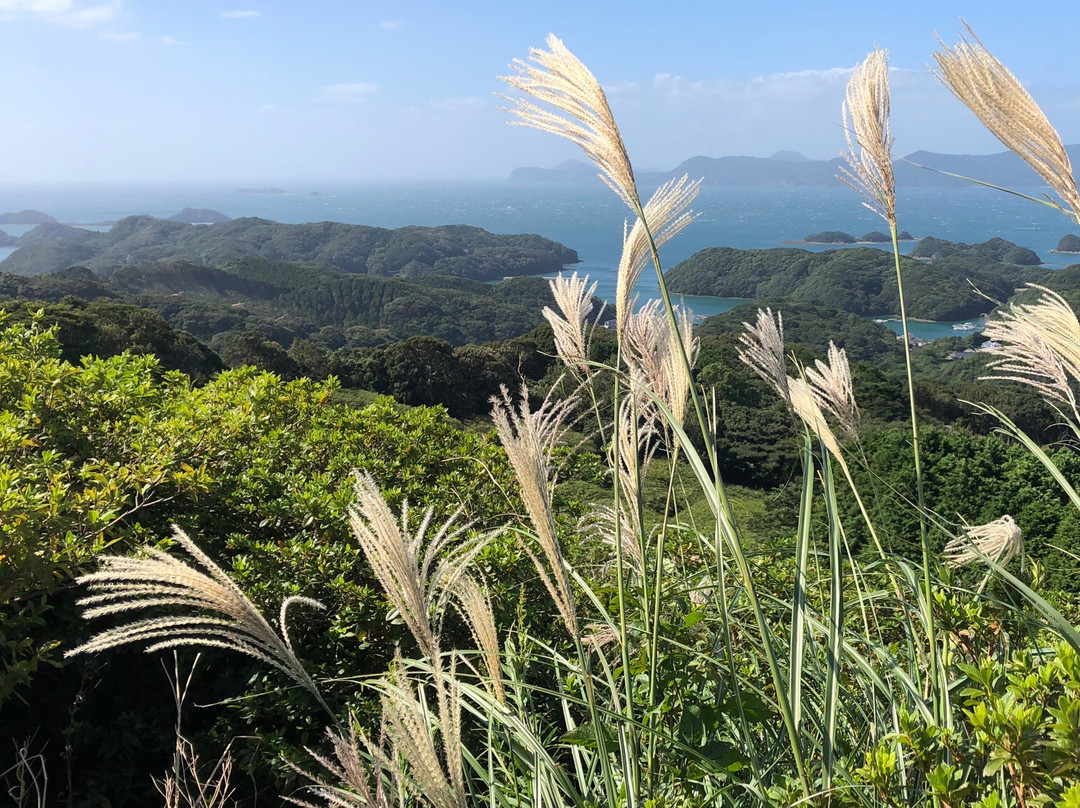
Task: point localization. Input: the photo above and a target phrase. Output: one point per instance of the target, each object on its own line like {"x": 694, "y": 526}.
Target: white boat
{"x": 964, "y": 327}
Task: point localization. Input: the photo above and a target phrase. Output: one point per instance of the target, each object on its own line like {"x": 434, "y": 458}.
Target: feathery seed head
{"x": 349, "y": 784}
{"x": 667, "y": 213}
{"x": 831, "y": 385}
{"x": 763, "y": 350}
{"x": 866, "y": 115}
{"x": 997, "y": 97}
{"x": 1040, "y": 345}
{"x": 999, "y": 541}
{"x": 417, "y": 573}
{"x": 475, "y": 609}
{"x": 529, "y": 438}
{"x": 126, "y": 585}
{"x": 805, "y": 405}
{"x": 409, "y": 729}
{"x": 576, "y": 108}
{"x": 573, "y": 296}
{"x": 654, "y": 361}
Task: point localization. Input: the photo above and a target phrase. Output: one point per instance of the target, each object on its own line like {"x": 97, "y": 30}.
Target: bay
{"x": 587, "y": 218}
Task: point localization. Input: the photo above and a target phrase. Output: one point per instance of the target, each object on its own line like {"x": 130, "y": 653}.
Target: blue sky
{"x": 126, "y": 90}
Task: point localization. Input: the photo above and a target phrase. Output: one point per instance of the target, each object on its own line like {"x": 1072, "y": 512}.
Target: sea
{"x": 588, "y": 219}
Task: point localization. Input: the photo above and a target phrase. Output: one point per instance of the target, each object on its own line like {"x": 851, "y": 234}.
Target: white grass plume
{"x": 573, "y": 296}
{"x": 763, "y": 350}
{"x": 1040, "y": 345}
{"x": 576, "y": 108}
{"x": 667, "y": 213}
{"x": 416, "y": 572}
{"x": 529, "y": 438}
{"x": 409, "y": 728}
{"x": 475, "y": 609}
{"x": 224, "y": 617}
{"x": 866, "y": 115}
{"x": 350, "y": 781}
{"x": 651, "y": 352}
{"x": 999, "y": 541}
{"x": 805, "y": 405}
{"x": 831, "y": 385}
{"x": 996, "y": 96}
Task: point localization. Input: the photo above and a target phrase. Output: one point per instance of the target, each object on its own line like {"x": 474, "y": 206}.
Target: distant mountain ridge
{"x": 792, "y": 169}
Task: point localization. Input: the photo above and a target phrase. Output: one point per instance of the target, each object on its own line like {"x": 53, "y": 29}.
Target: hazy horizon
{"x": 128, "y": 91}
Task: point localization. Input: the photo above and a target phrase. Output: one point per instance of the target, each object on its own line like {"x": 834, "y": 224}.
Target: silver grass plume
{"x": 667, "y": 213}
{"x": 1040, "y": 345}
{"x": 831, "y": 385}
{"x": 224, "y": 617}
{"x": 474, "y": 606}
{"x": 869, "y": 156}
{"x": 575, "y": 108}
{"x": 999, "y": 541}
{"x": 805, "y": 405}
{"x": 416, "y": 572}
{"x": 655, "y": 364}
{"x": 999, "y": 100}
{"x": 349, "y": 784}
{"x": 410, "y": 731}
{"x": 529, "y": 438}
{"x": 763, "y": 350}
{"x": 573, "y": 296}
{"x": 600, "y": 522}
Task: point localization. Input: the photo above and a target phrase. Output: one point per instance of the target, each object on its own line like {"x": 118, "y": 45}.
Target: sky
{"x": 268, "y": 90}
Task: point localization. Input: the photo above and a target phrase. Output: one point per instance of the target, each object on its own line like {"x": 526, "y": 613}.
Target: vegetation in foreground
{"x": 672, "y": 648}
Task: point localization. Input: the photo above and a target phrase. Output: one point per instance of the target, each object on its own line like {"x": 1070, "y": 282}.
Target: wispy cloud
{"x": 347, "y": 92}
{"x": 165, "y": 39}
{"x": 241, "y": 14}
{"x": 62, "y": 12}
{"x": 391, "y": 25}
{"x": 457, "y": 104}
{"x": 120, "y": 36}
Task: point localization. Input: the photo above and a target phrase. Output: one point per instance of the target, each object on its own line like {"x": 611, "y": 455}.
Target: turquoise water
{"x": 588, "y": 219}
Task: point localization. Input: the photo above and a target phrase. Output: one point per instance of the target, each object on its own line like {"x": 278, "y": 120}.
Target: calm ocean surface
{"x": 588, "y": 219}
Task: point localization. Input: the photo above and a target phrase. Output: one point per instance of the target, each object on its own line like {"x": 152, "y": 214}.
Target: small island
{"x": 26, "y": 217}
{"x": 272, "y": 191}
{"x": 6, "y": 239}
{"x": 1070, "y": 245}
{"x": 840, "y": 237}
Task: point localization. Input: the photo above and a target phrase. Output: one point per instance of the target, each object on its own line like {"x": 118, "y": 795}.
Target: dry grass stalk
{"x": 159, "y": 580}
{"x": 997, "y": 97}
{"x": 866, "y": 115}
{"x": 763, "y": 350}
{"x": 188, "y": 786}
{"x": 573, "y": 296}
{"x": 1040, "y": 345}
{"x": 409, "y": 730}
{"x": 999, "y": 541}
{"x": 667, "y": 213}
{"x": 475, "y": 609}
{"x": 349, "y": 784}
{"x": 831, "y": 385}
{"x": 578, "y": 111}
{"x": 529, "y": 438}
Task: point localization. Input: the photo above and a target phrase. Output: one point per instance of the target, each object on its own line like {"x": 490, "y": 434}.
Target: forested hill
{"x": 455, "y": 250}
{"x": 285, "y": 301}
{"x": 859, "y": 280}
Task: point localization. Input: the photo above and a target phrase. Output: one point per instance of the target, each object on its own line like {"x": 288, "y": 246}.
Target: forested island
{"x": 455, "y": 250}
{"x": 863, "y": 280}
